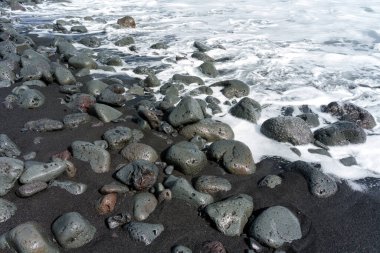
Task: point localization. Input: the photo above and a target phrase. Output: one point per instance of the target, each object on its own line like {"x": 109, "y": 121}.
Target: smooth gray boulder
{"x": 10, "y": 170}
{"x": 187, "y": 111}
{"x": 270, "y": 181}
{"x": 287, "y": 129}
{"x": 340, "y": 133}
{"x": 43, "y": 125}
{"x": 95, "y": 87}
{"x": 29, "y": 98}
{"x": 233, "y": 155}
{"x": 36, "y": 65}
{"x": 43, "y": 172}
{"x": 64, "y": 76}
{"x": 208, "y": 68}
{"x": 212, "y": 184}
{"x": 139, "y": 151}
{"x": 8, "y": 147}
{"x": 186, "y": 157}
{"x": 106, "y": 113}
{"x": 99, "y": 158}
{"x": 151, "y": 81}
{"x": 231, "y": 215}
{"x": 247, "y": 109}
{"x": 7, "y": 210}
{"x": 182, "y": 189}
{"x": 143, "y": 232}
{"x": 66, "y": 49}
{"x": 90, "y": 41}
{"x": 78, "y": 29}
{"x": 72, "y": 230}
{"x": 320, "y": 184}
{"x": 144, "y": 203}
{"x": 139, "y": 174}
{"x": 118, "y": 137}
{"x": 27, "y": 237}
{"x": 208, "y": 129}
{"x": 81, "y": 61}
{"x": 76, "y": 119}
{"x": 275, "y": 226}
{"x": 186, "y": 79}
{"x": 233, "y": 88}
{"x": 30, "y": 189}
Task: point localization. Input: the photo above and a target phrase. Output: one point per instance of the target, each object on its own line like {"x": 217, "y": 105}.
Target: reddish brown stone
{"x": 106, "y": 204}
{"x": 213, "y": 247}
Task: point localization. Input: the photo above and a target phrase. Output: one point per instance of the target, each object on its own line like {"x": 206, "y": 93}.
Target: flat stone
{"x": 43, "y": 125}
{"x": 118, "y": 137}
{"x": 126, "y": 41}
{"x": 76, "y": 119}
{"x": 231, "y": 215}
{"x": 64, "y": 76}
{"x": 270, "y": 181}
{"x": 144, "y": 203}
{"x": 320, "y": 184}
{"x": 233, "y": 88}
{"x": 37, "y": 83}
{"x": 287, "y": 129}
{"x": 7, "y": 210}
{"x": 208, "y": 68}
{"x": 70, "y": 186}
{"x": 139, "y": 151}
{"x": 99, "y": 158}
{"x": 182, "y": 189}
{"x": 43, "y": 172}
{"x": 140, "y": 174}
{"x": 114, "y": 187}
{"x": 144, "y": 232}
{"x": 187, "y": 111}
{"x": 186, "y": 157}
{"x": 8, "y": 147}
{"x": 348, "y": 161}
{"x": 212, "y": 184}
{"x": 234, "y": 156}
{"x": 30, "y": 189}
{"x": 28, "y": 237}
{"x": 208, "y": 129}
{"x": 72, "y": 230}
{"x": 340, "y": 133}
{"x": 106, "y": 113}
{"x": 201, "y": 47}
{"x": 275, "y": 226}
{"x": 247, "y": 109}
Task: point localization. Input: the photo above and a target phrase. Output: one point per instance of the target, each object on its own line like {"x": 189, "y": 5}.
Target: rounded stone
{"x": 81, "y": 61}
{"x": 8, "y": 147}
{"x": 340, "y": 133}
{"x": 43, "y": 172}
{"x": 275, "y": 226}
{"x": 186, "y": 79}
{"x": 144, "y": 232}
{"x": 144, "y": 204}
{"x": 106, "y": 204}
{"x": 118, "y": 137}
{"x": 64, "y": 76}
{"x": 7, "y": 210}
{"x": 10, "y": 170}
{"x": 31, "y": 189}
{"x": 208, "y": 129}
{"x": 114, "y": 187}
{"x": 126, "y": 41}
{"x": 181, "y": 249}
{"x": 187, "y": 111}
{"x": 106, "y": 113}
{"x": 43, "y": 125}
{"x": 29, "y": 98}
{"x": 212, "y": 184}
{"x": 139, "y": 151}
{"x": 100, "y": 159}
{"x": 127, "y": 22}
{"x": 270, "y": 181}
{"x": 208, "y": 68}
{"x": 247, "y": 109}
{"x": 233, "y": 88}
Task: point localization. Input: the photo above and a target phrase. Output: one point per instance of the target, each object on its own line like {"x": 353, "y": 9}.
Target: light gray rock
{"x": 152, "y": 81}
{"x": 233, "y": 88}
{"x": 37, "y": 83}
{"x": 43, "y": 125}
{"x": 64, "y": 76}
{"x": 90, "y": 41}
{"x": 139, "y": 151}
{"x": 144, "y": 232}
{"x": 208, "y": 129}
{"x": 118, "y": 220}
{"x": 8, "y": 147}
{"x": 28, "y": 237}
{"x": 10, "y": 170}
{"x": 30, "y": 189}
{"x": 186, "y": 112}
{"x": 144, "y": 203}
{"x": 81, "y": 61}
{"x": 72, "y": 230}
{"x": 231, "y": 215}
{"x": 43, "y": 172}
{"x": 70, "y": 186}
{"x": 212, "y": 184}
{"x": 106, "y": 113}
{"x": 118, "y": 137}
{"x": 320, "y": 184}
{"x": 7, "y": 210}
{"x": 182, "y": 189}
{"x": 287, "y": 129}
{"x": 29, "y": 98}
{"x": 36, "y": 65}
{"x": 234, "y": 156}
{"x": 113, "y": 95}
{"x": 76, "y": 119}
{"x": 99, "y": 158}
{"x": 181, "y": 249}
{"x": 247, "y": 109}
{"x": 95, "y": 87}
{"x": 340, "y": 133}
{"x": 208, "y": 68}
{"x": 66, "y": 49}
{"x": 275, "y": 226}
{"x": 186, "y": 157}
{"x": 140, "y": 174}
{"x": 270, "y": 181}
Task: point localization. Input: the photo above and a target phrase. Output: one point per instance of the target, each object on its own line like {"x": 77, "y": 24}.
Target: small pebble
{"x": 30, "y": 156}
{"x": 118, "y": 220}
{"x": 270, "y": 181}
{"x": 31, "y": 189}
{"x": 165, "y": 195}
{"x": 169, "y": 170}
{"x": 106, "y": 204}
{"x": 213, "y": 247}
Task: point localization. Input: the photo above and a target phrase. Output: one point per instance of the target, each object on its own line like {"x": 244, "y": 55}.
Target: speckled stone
{"x": 209, "y": 129}
{"x": 7, "y": 210}
{"x": 99, "y": 158}
{"x": 43, "y": 172}
{"x": 139, "y": 151}
{"x": 30, "y": 189}
{"x": 270, "y": 181}
{"x": 10, "y": 170}
{"x": 144, "y": 232}
{"x": 8, "y": 147}
{"x": 118, "y": 137}
{"x": 212, "y": 184}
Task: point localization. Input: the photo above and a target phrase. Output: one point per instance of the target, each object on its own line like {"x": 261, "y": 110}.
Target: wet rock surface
{"x": 247, "y": 109}
{"x": 233, "y": 88}
{"x": 8, "y": 147}
{"x": 212, "y": 184}
{"x": 208, "y": 129}
{"x": 340, "y": 133}
{"x": 139, "y": 151}
{"x": 186, "y": 112}
{"x": 43, "y": 172}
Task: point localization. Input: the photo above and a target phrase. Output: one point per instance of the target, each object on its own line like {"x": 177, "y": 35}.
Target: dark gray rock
{"x": 99, "y": 158}
{"x": 64, "y": 76}
{"x": 80, "y": 102}
{"x": 118, "y": 137}
{"x": 38, "y": 65}
{"x": 126, "y": 41}
{"x": 270, "y": 181}
{"x": 340, "y": 133}
{"x": 159, "y": 45}
{"x": 186, "y": 112}
{"x": 80, "y": 61}
{"x": 144, "y": 203}
{"x": 43, "y": 172}
{"x": 8, "y": 147}
{"x": 202, "y": 57}
{"x": 143, "y": 70}
{"x": 208, "y": 129}
{"x": 201, "y": 90}
{"x": 234, "y": 156}
{"x": 212, "y": 100}
{"x": 10, "y": 170}
{"x": 7, "y": 47}
{"x": 319, "y": 151}
{"x": 106, "y": 113}
{"x": 247, "y": 109}
{"x": 90, "y": 41}
{"x": 28, "y": 98}
{"x": 72, "y": 230}
{"x": 186, "y": 157}
{"x": 208, "y": 68}
{"x": 151, "y": 81}
{"x": 352, "y": 113}
{"x": 76, "y": 119}
{"x": 201, "y": 47}
{"x": 140, "y": 174}
{"x": 199, "y": 141}
{"x": 213, "y": 247}
{"x": 311, "y": 119}
{"x": 231, "y": 215}
{"x": 70, "y": 186}
{"x": 70, "y": 89}
{"x": 139, "y": 151}
{"x": 320, "y": 184}
{"x": 275, "y": 226}
{"x": 127, "y": 22}
{"x": 182, "y": 189}
{"x": 349, "y": 161}
{"x": 43, "y": 125}
{"x": 79, "y": 29}
{"x": 31, "y": 189}
{"x": 113, "y": 95}
{"x": 95, "y": 87}
{"x": 144, "y": 232}
{"x": 65, "y": 48}
{"x": 7, "y": 210}
{"x": 118, "y": 220}
{"x": 287, "y": 129}
{"x": 233, "y": 88}
{"x": 212, "y": 184}
{"x": 28, "y": 237}
{"x": 186, "y": 79}
{"x": 150, "y": 116}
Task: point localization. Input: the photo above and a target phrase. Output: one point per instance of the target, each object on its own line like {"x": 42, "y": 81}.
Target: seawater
{"x": 290, "y": 52}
